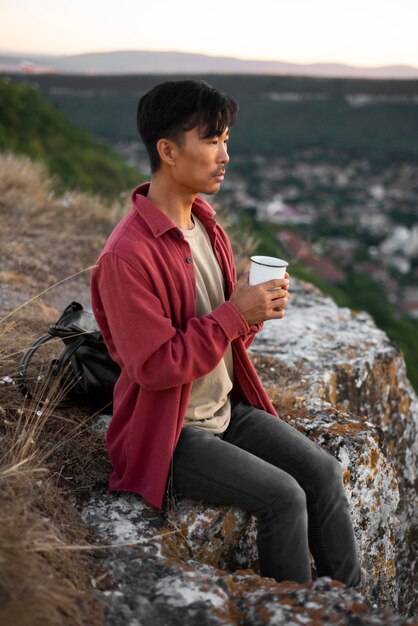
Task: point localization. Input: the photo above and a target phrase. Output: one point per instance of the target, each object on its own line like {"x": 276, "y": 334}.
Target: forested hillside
{"x": 30, "y": 125}
{"x": 278, "y": 114}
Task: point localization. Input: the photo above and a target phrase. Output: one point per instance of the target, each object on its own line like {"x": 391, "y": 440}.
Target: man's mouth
{"x": 220, "y": 175}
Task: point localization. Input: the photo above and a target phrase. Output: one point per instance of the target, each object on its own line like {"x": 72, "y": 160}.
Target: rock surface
{"x": 198, "y": 563}
{"x": 343, "y": 359}
{"x": 166, "y": 572}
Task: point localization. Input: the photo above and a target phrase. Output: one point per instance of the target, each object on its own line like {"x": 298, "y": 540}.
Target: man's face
{"x": 200, "y": 163}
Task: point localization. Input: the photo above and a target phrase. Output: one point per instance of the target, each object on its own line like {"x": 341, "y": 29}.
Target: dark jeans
{"x": 292, "y": 485}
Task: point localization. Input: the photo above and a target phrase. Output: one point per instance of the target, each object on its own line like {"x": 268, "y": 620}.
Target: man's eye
{"x": 216, "y": 141}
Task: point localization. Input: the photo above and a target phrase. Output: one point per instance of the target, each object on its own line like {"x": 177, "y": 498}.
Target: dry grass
{"x": 50, "y": 459}
{"x": 52, "y": 236}
{"x": 25, "y": 185}
{"x": 40, "y": 583}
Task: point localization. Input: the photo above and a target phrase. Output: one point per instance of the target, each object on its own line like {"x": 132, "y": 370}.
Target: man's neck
{"x": 175, "y": 203}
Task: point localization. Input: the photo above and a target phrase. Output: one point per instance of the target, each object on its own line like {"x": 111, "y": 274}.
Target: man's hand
{"x": 258, "y": 303}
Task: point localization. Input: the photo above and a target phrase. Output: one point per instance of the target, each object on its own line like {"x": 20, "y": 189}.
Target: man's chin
{"x": 214, "y": 188}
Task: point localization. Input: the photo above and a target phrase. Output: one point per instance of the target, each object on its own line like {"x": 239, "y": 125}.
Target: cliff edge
{"x": 336, "y": 377}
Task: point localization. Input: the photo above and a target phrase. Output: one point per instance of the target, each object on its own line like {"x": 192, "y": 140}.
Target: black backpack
{"x": 83, "y": 375}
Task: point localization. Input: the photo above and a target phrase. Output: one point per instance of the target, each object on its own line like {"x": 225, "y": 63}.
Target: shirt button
{"x": 178, "y": 233}
{"x": 189, "y": 259}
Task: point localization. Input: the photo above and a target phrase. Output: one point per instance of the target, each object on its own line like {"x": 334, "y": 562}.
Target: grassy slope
{"x": 49, "y": 459}
{"x": 31, "y": 125}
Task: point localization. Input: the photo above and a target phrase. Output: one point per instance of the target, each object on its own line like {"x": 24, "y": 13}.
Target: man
{"x": 190, "y": 413}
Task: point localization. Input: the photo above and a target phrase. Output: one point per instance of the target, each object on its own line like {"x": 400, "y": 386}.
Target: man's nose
{"x": 223, "y": 156}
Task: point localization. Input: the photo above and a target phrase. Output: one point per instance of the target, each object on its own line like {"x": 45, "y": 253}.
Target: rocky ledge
{"x": 343, "y": 383}
{"x": 343, "y": 364}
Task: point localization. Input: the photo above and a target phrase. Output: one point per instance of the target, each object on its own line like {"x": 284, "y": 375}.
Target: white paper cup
{"x": 265, "y": 268}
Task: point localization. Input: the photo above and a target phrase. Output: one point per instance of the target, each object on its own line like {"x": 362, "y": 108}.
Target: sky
{"x": 358, "y": 32}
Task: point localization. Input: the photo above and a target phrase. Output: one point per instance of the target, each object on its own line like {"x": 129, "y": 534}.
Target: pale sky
{"x": 358, "y": 32}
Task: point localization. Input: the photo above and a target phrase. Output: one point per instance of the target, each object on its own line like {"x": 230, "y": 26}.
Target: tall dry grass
{"x": 46, "y": 237}
{"x": 44, "y": 451}
{"x": 41, "y": 582}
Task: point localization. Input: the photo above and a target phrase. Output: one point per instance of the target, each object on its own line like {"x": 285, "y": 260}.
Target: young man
{"x": 189, "y": 407}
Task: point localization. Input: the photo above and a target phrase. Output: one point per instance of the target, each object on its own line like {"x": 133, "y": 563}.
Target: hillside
{"x": 278, "y": 115}
{"x": 31, "y": 125}
{"x": 162, "y": 62}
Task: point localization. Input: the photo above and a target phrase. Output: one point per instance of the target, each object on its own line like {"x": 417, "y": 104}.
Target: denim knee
{"x": 325, "y": 465}
{"x": 284, "y": 495}
{"x": 331, "y": 468}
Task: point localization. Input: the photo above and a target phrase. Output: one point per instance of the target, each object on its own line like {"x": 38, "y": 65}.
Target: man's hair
{"x": 174, "y": 107}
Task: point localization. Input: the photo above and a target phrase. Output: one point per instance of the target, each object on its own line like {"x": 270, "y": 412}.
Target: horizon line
{"x": 208, "y": 55}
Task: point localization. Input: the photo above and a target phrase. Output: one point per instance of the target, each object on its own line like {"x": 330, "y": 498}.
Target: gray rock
{"x": 342, "y": 358}
{"x": 197, "y": 563}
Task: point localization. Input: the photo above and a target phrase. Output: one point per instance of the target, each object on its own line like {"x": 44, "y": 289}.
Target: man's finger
{"x": 243, "y": 279}
{"x": 277, "y": 294}
{"x": 276, "y": 283}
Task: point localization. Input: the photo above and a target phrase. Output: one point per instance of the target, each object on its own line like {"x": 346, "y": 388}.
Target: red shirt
{"x": 143, "y": 296}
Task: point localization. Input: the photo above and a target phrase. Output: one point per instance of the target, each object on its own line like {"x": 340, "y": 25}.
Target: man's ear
{"x": 167, "y": 151}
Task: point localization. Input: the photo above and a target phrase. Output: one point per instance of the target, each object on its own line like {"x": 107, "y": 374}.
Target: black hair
{"x": 174, "y": 107}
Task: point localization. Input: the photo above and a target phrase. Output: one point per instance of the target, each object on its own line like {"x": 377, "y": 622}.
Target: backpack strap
{"x": 24, "y": 364}
{"x": 56, "y": 365}
{"x": 69, "y": 351}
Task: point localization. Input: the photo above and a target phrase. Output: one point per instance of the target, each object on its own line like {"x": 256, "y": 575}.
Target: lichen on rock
{"x": 346, "y": 361}
{"x": 344, "y": 385}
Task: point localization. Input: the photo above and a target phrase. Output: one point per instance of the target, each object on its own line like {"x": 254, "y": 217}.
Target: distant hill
{"x": 278, "y": 115}
{"x": 158, "y": 62}
{"x": 31, "y": 125}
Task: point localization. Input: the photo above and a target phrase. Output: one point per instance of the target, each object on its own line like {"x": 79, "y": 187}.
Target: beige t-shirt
{"x": 209, "y": 406}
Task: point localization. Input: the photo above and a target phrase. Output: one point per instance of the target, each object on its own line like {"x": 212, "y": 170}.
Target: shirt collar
{"x": 158, "y": 222}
